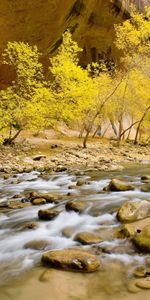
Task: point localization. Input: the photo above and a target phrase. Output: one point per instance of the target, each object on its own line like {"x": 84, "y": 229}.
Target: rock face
{"x": 134, "y": 210}
{"x": 71, "y": 259}
{"x": 43, "y": 22}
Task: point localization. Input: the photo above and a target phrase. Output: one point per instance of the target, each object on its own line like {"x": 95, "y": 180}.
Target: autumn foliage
{"x": 81, "y": 97}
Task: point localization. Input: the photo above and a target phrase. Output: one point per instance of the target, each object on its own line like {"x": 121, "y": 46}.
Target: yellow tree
{"x": 132, "y": 38}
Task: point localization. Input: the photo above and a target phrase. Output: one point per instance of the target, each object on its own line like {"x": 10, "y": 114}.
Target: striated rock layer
{"x": 42, "y": 22}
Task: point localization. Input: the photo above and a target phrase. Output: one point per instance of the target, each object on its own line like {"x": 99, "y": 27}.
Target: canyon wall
{"x": 42, "y": 22}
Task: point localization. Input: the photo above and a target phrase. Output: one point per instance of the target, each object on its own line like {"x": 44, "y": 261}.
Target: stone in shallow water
{"x": 48, "y": 214}
{"x": 77, "y": 206}
{"x": 139, "y": 272}
{"x": 143, "y": 283}
{"x": 134, "y": 210}
{"x": 87, "y": 238}
{"x": 30, "y": 225}
{"x": 36, "y": 245}
{"x": 117, "y": 185}
{"x": 131, "y": 286}
{"x": 71, "y": 259}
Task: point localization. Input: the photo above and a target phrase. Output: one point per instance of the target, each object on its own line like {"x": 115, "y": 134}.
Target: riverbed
{"x": 21, "y": 274}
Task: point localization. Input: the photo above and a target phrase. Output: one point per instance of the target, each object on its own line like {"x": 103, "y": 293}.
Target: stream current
{"x": 19, "y": 264}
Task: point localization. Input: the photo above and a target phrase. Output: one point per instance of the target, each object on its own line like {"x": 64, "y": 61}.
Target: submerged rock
{"x": 71, "y": 259}
{"x": 30, "y": 225}
{"x": 117, "y": 185}
{"x": 143, "y": 283}
{"x": 87, "y": 238}
{"x": 36, "y": 245}
{"x": 134, "y": 210}
{"x": 17, "y": 205}
{"x": 48, "y": 214}
{"x": 142, "y": 240}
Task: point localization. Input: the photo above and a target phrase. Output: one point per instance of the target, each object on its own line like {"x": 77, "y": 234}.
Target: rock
{"x": 50, "y": 198}
{"x": 71, "y": 259}
{"x": 48, "y": 214}
{"x": 61, "y": 169}
{"x": 39, "y": 157}
{"x": 134, "y": 210}
{"x": 148, "y": 261}
{"x": 142, "y": 240}
{"x": 139, "y": 272}
{"x": 131, "y": 286}
{"x": 143, "y": 283}
{"x": 77, "y": 206}
{"x": 87, "y": 238}
{"x": 145, "y": 178}
{"x": 69, "y": 231}
{"x": 36, "y": 245}
{"x": 39, "y": 201}
{"x": 30, "y": 225}
{"x": 146, "y": 188}
{"x": 117, "y": 185}
{"x": 17, "y": 205}
{"x": 81, "y": 182}
{"x": 129, "y": 230}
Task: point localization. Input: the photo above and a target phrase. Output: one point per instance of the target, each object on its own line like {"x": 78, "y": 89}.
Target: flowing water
{"x": 21, "y": 275}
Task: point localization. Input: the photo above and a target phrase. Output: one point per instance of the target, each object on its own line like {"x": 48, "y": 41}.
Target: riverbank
{"x": 59, "y": 154}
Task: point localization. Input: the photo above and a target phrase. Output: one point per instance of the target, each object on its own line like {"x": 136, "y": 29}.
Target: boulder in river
{"x": 130, "y": 229}
{"x": 77, "y": 206}
{"x": 48, "y": 214}
{"x": 134, "y": 210}
{"x": 142, "y": 240}
{"x": 87, "y": 238}
{"x": 117, "y": 185}
{"x": 71, "y": 259}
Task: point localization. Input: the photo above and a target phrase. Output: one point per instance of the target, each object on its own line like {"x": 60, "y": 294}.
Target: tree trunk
{"x": 120, "y": 129}
{"x": 139, "y": 125}
{"x": 96, "y": 131}
{"x": 10, "y": 141}
{"x": 86, "y": 138}
{"x": 113, "y": 127}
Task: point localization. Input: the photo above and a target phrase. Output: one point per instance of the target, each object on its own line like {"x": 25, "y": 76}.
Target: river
{"x": 21, "y": 274}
